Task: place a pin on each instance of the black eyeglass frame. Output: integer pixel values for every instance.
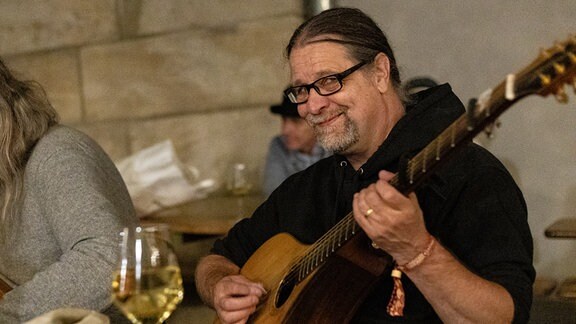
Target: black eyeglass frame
(289, 92)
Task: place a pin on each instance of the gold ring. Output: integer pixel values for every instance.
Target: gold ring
(369, 212)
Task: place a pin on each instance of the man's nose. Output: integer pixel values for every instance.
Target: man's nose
(315, 102)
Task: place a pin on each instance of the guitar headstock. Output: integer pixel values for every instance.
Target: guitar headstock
(550, 72)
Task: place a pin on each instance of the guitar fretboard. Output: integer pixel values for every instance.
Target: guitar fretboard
(344, 230)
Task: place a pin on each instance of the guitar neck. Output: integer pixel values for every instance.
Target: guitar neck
(329, 243)
(480, 117)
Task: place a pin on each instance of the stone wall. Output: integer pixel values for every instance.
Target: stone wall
(134, 73)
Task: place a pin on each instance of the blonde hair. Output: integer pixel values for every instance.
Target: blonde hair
(25, 116)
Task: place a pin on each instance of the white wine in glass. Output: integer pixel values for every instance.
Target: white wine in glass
(147, 284)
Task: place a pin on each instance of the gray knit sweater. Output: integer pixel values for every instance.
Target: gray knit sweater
(63, 249)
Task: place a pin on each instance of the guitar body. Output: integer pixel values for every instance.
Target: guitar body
(330, 294)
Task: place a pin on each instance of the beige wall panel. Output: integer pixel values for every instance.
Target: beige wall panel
(186, 72)
(113, 137)
(212, 142)
(57, 72)
(161, 16)
(35, 25)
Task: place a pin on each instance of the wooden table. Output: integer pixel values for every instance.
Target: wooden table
(209, 216)
(562, 228)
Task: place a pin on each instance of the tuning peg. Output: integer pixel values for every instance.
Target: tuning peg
(572, 57)
(559, 68)
(561, 95)
(544, 79)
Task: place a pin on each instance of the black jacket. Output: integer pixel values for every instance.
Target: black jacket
(471, 205)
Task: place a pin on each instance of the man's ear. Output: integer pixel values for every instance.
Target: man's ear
(382, 72)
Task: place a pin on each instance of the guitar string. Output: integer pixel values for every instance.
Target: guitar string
(320, 251)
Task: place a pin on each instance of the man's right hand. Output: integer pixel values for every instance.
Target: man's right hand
(236, 298)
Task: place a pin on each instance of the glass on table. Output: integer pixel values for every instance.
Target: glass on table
(147, 284)
(238, 183)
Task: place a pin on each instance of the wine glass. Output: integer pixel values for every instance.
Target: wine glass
(147, 284)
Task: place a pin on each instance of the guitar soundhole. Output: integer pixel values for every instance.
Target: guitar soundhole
(284, 292)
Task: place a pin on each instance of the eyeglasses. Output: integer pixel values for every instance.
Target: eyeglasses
(324, 86)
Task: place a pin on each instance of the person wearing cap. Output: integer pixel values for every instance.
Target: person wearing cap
(293, 150)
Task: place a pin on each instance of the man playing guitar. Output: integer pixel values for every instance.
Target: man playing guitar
(460, 242)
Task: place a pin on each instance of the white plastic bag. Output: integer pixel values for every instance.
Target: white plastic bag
(156, 179)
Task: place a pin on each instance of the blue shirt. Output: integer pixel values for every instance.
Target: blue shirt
(282, 163)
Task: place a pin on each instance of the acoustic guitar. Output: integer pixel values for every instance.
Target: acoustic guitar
(327, 281)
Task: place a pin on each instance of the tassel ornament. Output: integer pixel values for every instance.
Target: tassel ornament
(398, 299)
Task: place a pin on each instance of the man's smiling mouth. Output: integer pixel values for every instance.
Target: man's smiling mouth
(326, 121)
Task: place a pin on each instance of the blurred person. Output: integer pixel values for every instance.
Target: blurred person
(460, 243)
(62, 207)
(293, 150)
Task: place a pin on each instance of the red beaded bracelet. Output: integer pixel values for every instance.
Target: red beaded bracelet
(419, 258)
